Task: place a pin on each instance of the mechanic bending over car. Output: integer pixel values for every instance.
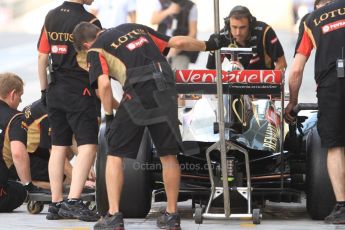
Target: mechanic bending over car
(13, 136)
(324, 31)
(133, 54)
(39, 145)
(71, 107)
(241, 29)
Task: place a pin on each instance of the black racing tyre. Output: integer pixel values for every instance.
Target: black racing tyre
(137, 189)
(320, 196)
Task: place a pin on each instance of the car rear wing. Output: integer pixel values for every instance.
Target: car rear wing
(233, 82)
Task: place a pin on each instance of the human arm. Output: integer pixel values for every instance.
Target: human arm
(43, 48)
(132, 16)
(131, 11)
(21, 161)
(42, 69)
(115, 103)
(273, 48)
(105, 93)
(295, 81)
(281, 64)
(160, 14)
(17, 134)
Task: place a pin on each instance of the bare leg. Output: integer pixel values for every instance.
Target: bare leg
(336, 171)
(114, 181)
(56, 171)
(171, 179)
(85, 158)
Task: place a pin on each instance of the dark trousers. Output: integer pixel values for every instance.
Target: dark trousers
(12, 196)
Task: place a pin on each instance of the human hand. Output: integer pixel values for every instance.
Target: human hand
(174, 8)
(289, 116)
(213, 43)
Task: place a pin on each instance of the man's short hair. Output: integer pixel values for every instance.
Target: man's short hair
(84, 32)
(239, 12)
(318, 2)
(10, 82)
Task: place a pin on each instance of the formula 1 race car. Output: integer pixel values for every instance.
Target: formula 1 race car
(263, 162)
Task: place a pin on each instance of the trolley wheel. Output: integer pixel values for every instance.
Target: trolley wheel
(198, 215)
(256, 216)
(35, 207)
(91, 205)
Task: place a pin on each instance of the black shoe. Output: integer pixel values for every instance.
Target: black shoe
(53, 211)
(169, 221)
(337, 216)
(110, 222)
(77, 210)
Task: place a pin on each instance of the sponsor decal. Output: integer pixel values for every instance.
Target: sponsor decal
(130, 35)
(27, 112)
(137, 43)
(86, 92)
(59, 49)
(62, 37)
(237, 76)
(333, 26)
(24, 126)
(272, 117)
(271, 137)
(274, 40)
(328, 15)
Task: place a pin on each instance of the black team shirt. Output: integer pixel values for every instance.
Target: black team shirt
(69, 69)
(264, 41)
(125, 47)
(12, 128)
(324, 30)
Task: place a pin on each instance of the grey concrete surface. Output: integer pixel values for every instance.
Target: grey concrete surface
(276, 216)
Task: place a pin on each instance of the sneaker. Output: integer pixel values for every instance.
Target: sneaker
(53, 211)
(337, 216)
(169, 221)
(77, 210)
(110, 222)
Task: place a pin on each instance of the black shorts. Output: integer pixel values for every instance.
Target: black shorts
(39, 165)
(331, 115)
(125, 136)
(70, 114)
(13, 198)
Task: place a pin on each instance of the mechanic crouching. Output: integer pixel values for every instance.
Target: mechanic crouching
(133, 54)
(13, 136)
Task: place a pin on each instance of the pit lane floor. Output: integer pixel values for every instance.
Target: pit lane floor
(276, 216)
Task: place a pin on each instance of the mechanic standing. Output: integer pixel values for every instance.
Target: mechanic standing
(324, 30)
(71, 106)
(150, 100)
(177, 17)
(12, 144)
(241, 29)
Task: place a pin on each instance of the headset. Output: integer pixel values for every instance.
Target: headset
(239, 12)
